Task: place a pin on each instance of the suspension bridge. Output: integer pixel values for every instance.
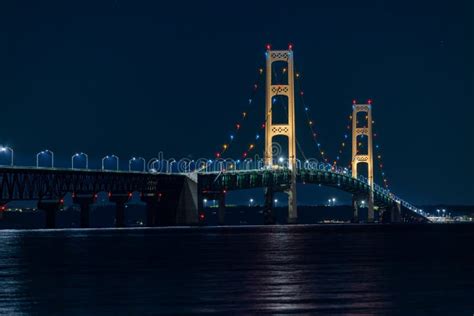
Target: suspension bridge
(174, 190)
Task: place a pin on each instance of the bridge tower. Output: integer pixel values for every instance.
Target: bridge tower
(288, 129)
(366, 158)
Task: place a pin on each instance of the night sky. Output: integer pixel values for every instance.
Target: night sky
(136, 78)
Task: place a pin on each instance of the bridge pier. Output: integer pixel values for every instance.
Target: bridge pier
(292, 206)
(50, 208)
(3, 208)
(355, 208)
(268, 212)
(152, 202)
(395, 213)
(119, 200)
(370, 206)
(187, 202)
(221, 210)
(84, 202)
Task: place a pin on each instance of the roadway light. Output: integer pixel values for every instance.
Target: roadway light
(6, 148)
(204, 202)
(250, 202)
(110, 157)
(133, 159)
(44, 152)
(276, 201)
(77, 155)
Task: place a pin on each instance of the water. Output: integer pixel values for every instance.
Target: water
(363, 270)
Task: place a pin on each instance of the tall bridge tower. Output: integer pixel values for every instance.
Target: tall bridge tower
(288, 129)
(366, 158)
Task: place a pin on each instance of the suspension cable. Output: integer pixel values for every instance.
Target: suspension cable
(244, 115)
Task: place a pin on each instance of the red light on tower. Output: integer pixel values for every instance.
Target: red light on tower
(290, 46)
(354, 101)
(202, 216)
(268, 47)
(369, 101)
(3, 208)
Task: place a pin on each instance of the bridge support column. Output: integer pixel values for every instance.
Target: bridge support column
(288, 129)
(187, 204)
(382, 214)
(119, 200)
(268, 212)
(292, 207)
(221, 210)
(152, 202)
(3, 208)
(355, 208)
(84, 202)
(370, 207)
(395, 213)
(50, 208)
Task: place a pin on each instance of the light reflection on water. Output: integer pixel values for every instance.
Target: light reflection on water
(276, 269)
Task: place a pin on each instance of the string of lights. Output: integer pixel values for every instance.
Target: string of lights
(309, 120)
(343, 145)
(379, 156)
(252, 146)
(244, 115)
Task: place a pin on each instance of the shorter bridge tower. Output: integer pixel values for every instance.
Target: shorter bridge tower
(364, 130)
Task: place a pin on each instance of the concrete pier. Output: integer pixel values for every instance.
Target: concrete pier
(119, 200)
(84, 202)
(50, 208)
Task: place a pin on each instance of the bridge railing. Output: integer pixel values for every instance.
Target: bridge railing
(204, 165)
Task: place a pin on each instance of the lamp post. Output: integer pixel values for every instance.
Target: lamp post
(110, 157)
(44, 152)
(281, 160)
(250, 202)
(130, 161)
(5, 149)
(276, 202)
(204, 202)
(77, 155)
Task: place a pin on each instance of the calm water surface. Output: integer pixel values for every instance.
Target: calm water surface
(363, 270)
